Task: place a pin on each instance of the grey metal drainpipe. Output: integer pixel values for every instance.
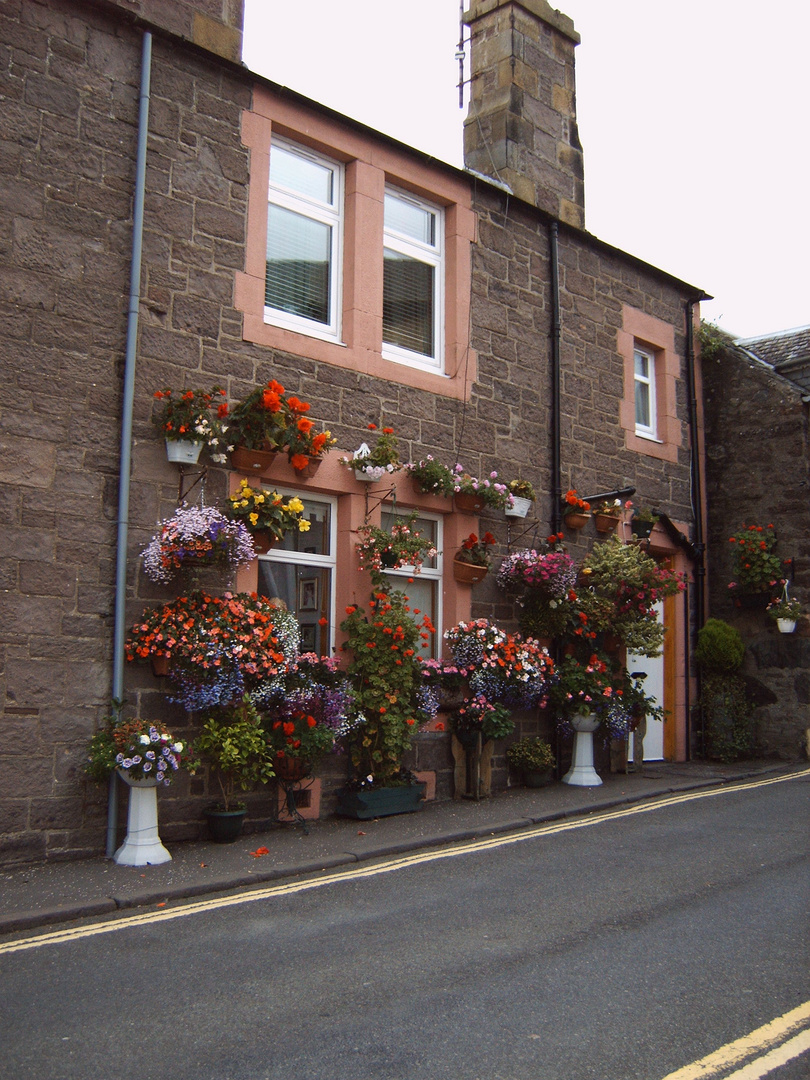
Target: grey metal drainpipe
(556, 480)
(126, 419)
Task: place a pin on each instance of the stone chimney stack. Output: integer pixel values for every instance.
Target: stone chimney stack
(521, 127)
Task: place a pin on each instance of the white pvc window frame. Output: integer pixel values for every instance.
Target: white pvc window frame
(644, 392)
(329, 213)
(433, 255)
(430, 572)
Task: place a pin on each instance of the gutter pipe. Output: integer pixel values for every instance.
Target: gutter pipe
(556, 479)
(126, 419)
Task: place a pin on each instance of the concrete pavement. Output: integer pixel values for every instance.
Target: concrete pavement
(39, 894)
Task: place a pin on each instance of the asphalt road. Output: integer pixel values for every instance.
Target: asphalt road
(621, 947)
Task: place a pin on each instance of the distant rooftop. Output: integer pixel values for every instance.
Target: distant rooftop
(787, 352)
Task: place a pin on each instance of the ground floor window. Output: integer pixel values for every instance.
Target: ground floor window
(300, 571)
(424, 590)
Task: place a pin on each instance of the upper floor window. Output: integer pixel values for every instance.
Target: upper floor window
(413, 275)
(304, 217)
(644, 374)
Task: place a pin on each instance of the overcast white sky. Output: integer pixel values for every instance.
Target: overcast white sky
(694, 117)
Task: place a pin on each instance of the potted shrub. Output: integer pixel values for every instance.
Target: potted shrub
(534, 759)
(785, 611)
(193, 537)
(371, 464)
(523, 496)
(266, 515)
(234, 744)
(259, 427)
(471, 495)
(756, 568)
(380, 550)
(431, 476)
(190, 420)
(724, 705)
(472, 560)
(144, 756)
(576, 511)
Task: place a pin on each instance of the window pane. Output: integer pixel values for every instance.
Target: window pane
(409, 220)
(643, 405)
(300, 174)
(408, 315)
(316, 540)
(306, 591)
(642, 365)
(422, 596)
(298, 257)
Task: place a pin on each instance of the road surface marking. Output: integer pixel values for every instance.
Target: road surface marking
(417, 858)
(763, 1038)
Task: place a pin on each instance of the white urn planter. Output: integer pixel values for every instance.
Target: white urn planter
(582, 773)
(142, 846)
(519, 508)
(183, 451)
(786, 626)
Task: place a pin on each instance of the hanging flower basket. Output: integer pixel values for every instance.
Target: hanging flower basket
(467, 503)
(520, 507)
(183, 451)
(160, 664)
(606, 523)
(576, 520)
(786, 626)
(308, 470)
(263, 541)
(468, 573)
(642, 528)
(252, 461)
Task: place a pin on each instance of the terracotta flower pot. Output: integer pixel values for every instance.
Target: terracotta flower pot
(311, 467)
(576, 520)
(263, 540)
(606, 523)
(252, 461)
(160, 664)
(468, 573)
(468, 502)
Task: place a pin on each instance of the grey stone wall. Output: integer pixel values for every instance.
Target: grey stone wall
(758, 472)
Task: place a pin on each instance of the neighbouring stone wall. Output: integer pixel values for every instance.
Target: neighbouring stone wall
(758, 472)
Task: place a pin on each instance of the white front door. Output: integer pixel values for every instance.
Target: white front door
(654, 688)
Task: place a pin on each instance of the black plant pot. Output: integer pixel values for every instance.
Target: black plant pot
(225, 826)
(641, 529)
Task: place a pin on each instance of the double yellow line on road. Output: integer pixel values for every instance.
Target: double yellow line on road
(127, 922)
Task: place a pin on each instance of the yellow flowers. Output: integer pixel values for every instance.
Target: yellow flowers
(295, 505)
(266, 511)
(253, 519)
(304, 525)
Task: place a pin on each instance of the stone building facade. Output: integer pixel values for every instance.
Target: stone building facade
(529, 300)
(758, 473)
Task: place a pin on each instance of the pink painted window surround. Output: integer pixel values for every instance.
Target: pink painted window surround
(369, 167)
(656, 338)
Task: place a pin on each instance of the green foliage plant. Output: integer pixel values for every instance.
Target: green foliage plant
(432, 476)
(531, 754)
(720, 648)
(235, 746)
(723, 702)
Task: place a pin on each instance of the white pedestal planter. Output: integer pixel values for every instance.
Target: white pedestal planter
(183, 451)
(142, 846)
(582, 772)
(786, 626)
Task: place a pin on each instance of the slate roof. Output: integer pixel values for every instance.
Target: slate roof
(787, 352)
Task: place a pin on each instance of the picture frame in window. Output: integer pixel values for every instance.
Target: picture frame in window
(308, 594)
